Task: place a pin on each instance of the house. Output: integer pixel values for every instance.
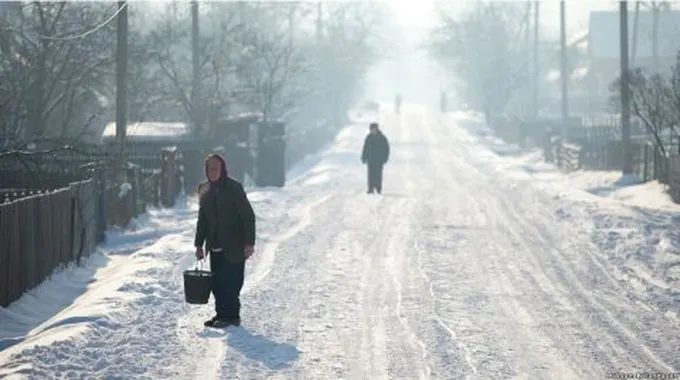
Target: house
(149, 132)
(604, 43)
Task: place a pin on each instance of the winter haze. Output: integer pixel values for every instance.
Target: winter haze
(440, 190)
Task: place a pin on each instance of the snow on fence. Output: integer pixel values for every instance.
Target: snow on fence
(648, 163)
(566, 156)
(43, 232)
(593, 144)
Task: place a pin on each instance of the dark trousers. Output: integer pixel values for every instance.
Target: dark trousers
(227, 281)
(375, 172)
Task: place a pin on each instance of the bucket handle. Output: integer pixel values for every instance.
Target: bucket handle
(201, 262)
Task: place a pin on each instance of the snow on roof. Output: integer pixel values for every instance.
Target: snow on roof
(253, 117)
(244, 116)
(149, 131)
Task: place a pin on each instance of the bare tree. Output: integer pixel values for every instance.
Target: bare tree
(268, 61)
(651, 102)
(350, 46)
(59, 59)
(172, 49)
(485, 52)
(145, 80)
(171, 45)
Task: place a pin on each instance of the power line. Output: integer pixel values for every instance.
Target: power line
(83, 34)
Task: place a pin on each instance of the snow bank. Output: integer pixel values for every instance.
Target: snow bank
(107, 310)
(633, 223)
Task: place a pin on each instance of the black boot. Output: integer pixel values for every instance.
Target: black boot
(227, 322)
(210, 322)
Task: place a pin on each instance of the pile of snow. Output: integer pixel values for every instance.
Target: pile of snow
(634, 223)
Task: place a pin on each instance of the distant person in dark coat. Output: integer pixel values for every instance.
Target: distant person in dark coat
(226, 225)
(375, 154)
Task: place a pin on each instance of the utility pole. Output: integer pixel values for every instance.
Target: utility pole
(121, 77)
(526, 100)
(564, 75)
(319, 21)
(196, 98)
(625, 93)
(656, 7)
(535, 56)
(291, 25)
(636, 19)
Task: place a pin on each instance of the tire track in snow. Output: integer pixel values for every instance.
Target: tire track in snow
(373, 350)
(379, 353)
(617, 343)
(331, 270)
(631, 349)
(572, 278)
(417, 324)
(268, 254)
(316, 276)
(443, 171)
(509, 270)
(309, 300)
(212, 341)
(520, 232)
(379, 298)
(396, 265)
(540, 307)
(495, 335)
(342, 331)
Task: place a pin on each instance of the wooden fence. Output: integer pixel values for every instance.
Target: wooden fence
(674, 177)
(595, 144)
(602, 149)
(43, 229)
(649, 163)
(41, 233)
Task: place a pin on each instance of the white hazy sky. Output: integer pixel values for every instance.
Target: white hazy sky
(418, 78)
(421, 13)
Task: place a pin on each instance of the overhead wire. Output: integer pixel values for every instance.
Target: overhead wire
(82, 35)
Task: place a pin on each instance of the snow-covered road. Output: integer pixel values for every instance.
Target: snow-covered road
(458, 270)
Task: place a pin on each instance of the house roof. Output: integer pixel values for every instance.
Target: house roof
(149, 131)
(603, 38)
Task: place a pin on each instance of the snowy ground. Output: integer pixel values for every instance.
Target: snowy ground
(634, 224)
(469, 266)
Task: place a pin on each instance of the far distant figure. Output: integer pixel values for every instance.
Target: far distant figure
(397, 103)
(375, 154)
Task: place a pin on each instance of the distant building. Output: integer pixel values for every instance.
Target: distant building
(604, 43)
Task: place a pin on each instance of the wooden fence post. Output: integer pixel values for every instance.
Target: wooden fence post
(168, 175)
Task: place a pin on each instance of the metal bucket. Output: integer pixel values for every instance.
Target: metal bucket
(197, 286)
